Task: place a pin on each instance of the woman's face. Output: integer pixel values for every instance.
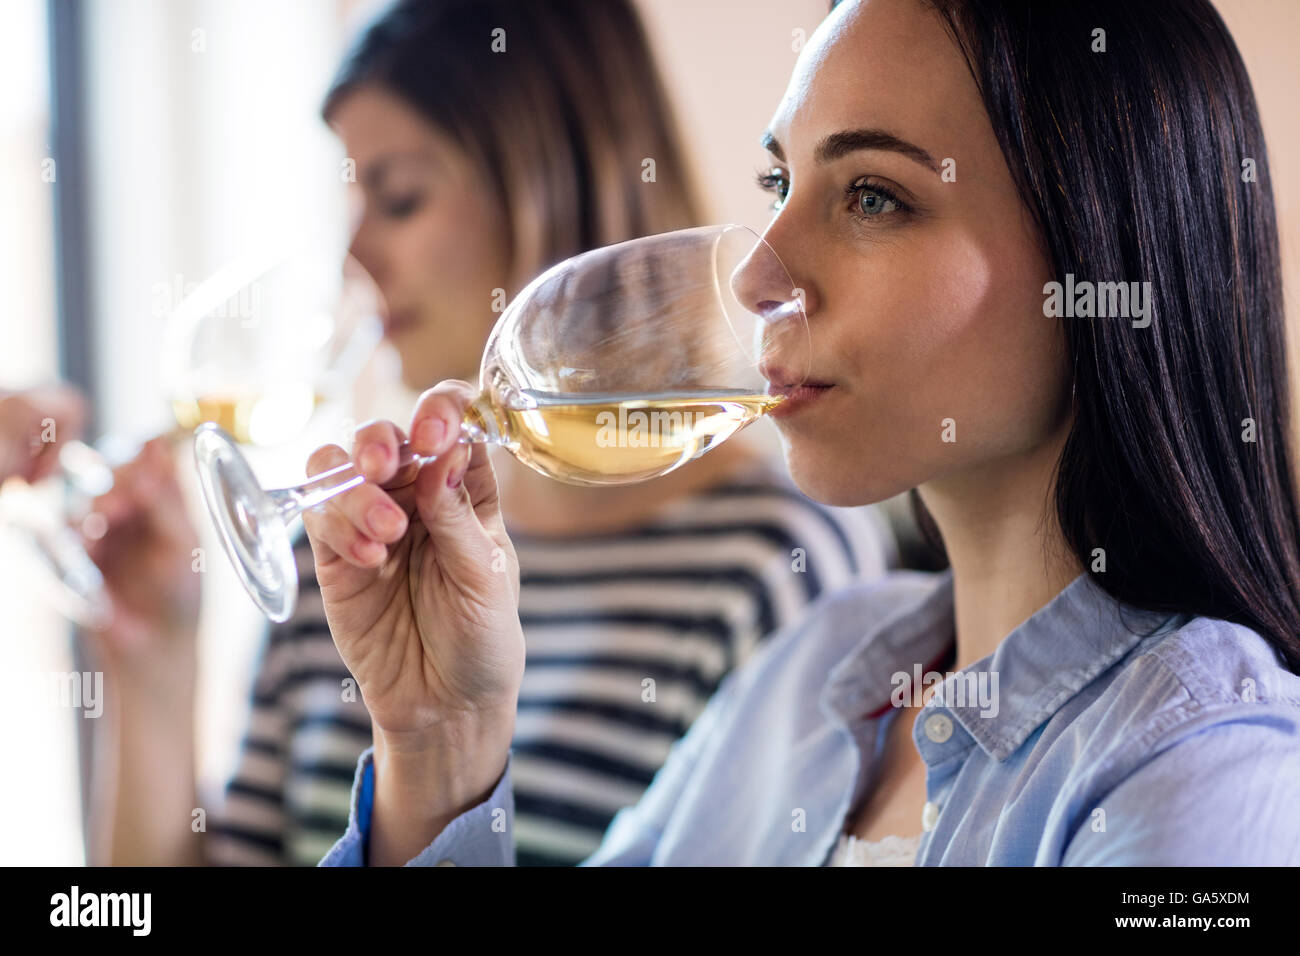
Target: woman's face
(429, 234)
(924, 296)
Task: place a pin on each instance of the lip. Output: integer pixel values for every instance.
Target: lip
(797, 397)
(398, 322)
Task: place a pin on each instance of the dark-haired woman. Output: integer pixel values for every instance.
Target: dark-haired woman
(1106, 672)
(491, 138)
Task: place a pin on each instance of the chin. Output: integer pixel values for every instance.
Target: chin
(414, 382)
(414, 374)
(831, 480)
(418, 379)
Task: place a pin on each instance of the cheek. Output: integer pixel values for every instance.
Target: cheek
(446, 263)
(947, 327)
(969, 334)
(455, 255)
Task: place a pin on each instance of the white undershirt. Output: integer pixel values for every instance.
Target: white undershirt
(891, 851)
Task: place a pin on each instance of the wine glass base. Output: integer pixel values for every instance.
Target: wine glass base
(253, 533)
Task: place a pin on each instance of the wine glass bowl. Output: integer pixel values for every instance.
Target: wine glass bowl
(265, 340)
(625, 362)
(615, 366)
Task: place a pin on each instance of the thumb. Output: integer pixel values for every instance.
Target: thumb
(456, 497)
(162, 501)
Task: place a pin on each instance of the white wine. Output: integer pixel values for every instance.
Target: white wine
(612, 439)
(231, 412)
(257, 418)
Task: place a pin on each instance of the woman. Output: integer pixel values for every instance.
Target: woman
(1121, 604)
(490, 139)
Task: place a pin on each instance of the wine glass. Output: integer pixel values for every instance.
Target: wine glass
(617, 365)
(266, 340)
(259, 346)
(63, 572)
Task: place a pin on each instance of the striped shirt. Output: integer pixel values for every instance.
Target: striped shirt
(627, 636)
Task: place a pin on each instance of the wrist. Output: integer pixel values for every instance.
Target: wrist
(162, 676)
(448, 767)
(423, 781)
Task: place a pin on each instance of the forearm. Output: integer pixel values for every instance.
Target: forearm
(143, 782)
(423, 783)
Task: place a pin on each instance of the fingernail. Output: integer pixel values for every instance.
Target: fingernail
(94, 526)
(456, 475)
(429, 433)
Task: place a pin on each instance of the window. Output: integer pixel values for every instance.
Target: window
(41, 808)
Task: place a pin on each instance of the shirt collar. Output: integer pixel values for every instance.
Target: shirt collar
(1032, 673)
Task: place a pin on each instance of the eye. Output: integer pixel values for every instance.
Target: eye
(774, 181)
(873, 201)
(400, 207)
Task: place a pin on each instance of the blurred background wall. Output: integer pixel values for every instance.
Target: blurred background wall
(200, 136)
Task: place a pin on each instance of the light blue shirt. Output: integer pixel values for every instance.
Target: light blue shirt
(1095, 734)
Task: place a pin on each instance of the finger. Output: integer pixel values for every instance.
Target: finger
(118, 503)
(321, 460)
(54, 416)
(372, 511)
(446, 509)
(70, 413)
(157, 465)
(325, 458)
(42, 464)
(375, 450)
(480, 482)
(333, 533)
(438, 415)
(126, 502)
(158, 496)
(114, 510)
(63, 406)
(435, 425)
(157, 453)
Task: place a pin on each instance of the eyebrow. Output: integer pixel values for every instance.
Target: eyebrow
(378, 170)
(851, 140)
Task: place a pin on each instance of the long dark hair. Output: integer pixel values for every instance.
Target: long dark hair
(1146, 162)
(559, 102)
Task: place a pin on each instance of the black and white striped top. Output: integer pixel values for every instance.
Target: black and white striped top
(627, 637)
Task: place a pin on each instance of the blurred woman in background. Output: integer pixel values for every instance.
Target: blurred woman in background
(491, 139)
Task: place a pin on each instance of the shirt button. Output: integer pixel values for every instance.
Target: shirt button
(929, 815)
(444, 863)
(938, 728)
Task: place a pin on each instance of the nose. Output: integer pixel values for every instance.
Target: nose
(764, 285)
(362, 248)
(354, 272)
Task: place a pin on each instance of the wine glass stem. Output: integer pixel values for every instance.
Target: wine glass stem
(291, 502)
